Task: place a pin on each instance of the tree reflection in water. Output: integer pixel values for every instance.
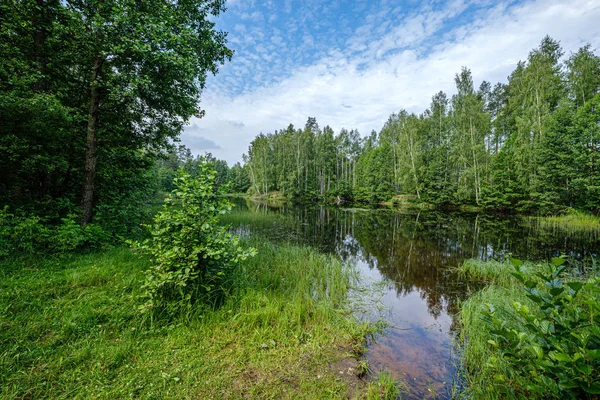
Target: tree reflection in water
(415, 253)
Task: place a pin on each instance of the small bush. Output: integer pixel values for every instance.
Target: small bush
(27, 234)
(193, 257)
(554, 348)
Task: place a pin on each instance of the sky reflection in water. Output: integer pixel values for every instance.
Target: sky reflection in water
(414, 253)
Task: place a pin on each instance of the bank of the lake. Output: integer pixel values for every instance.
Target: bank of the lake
(71, 328)
(570, 219)
(416, 254)
(532, 332)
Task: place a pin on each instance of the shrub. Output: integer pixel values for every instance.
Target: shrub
(556, 345)
(193, 257)
(22, 233)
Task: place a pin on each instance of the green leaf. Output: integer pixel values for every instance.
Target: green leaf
(558, 261)
(593, 388)
(559, 356)
(538, 351)
(516, 262)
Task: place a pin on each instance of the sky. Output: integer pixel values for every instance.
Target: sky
(350, 64)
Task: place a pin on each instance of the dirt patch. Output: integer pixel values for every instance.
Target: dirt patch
(347, 369)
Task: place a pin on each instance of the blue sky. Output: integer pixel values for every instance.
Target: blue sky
(352, 63)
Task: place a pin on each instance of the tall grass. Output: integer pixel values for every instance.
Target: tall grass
(475, 333)
(572, 222)
(70, 328)
(492, 271)
(501, 292)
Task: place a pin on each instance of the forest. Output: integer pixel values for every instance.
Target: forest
(117, 277)
(530, 144)
(131, 268)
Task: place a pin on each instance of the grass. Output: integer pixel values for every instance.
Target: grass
(384, 387)
(70, 328)
(502, 291)
(497, 272)
(486, 372)
(475, 333)
(574, 221)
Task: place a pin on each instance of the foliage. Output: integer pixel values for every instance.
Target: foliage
(91, 91)
(70, 328)
(180, 157)
(29, 234)
(539, 339)
(193, 257)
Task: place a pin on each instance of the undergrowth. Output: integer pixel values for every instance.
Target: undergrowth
(531, 333)
(70, 328)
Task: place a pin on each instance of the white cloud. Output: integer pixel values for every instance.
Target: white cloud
(375, 75)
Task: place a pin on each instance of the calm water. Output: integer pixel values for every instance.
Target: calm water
(414, 254)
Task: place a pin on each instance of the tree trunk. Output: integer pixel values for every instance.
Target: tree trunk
(91, 152)
(412, 161)
(477, 184)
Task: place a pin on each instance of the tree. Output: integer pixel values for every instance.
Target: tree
(471, 125)
(436, 151)
(535, 90)
(583, 75)
(123, 74)
(587, 152)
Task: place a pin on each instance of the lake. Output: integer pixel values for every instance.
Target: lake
(414, 254)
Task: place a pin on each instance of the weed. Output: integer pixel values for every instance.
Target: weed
(384, 388)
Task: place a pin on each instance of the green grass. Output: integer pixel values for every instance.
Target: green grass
(502, 290)
(575, 221)
(260, 217)
(384, 387)
(498, 272)
(475, 333)
(70, 328)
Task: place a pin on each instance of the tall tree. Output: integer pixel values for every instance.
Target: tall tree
(436, 151)
(126, 74)
(471, 125)
(540, 88)
(583, 75)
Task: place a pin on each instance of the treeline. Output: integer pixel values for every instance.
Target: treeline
(230, 179)
(530, 145)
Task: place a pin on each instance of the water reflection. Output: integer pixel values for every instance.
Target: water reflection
(415, 252)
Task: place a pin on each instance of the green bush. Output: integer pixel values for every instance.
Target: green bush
(27, 234)
(193, 257)
(555, 348)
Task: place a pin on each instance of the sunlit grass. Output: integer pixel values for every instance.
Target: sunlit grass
(572, 222)
(70, 328)
(492, 271)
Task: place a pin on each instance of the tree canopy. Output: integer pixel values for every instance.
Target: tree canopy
(91, 90)
(528, 145)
